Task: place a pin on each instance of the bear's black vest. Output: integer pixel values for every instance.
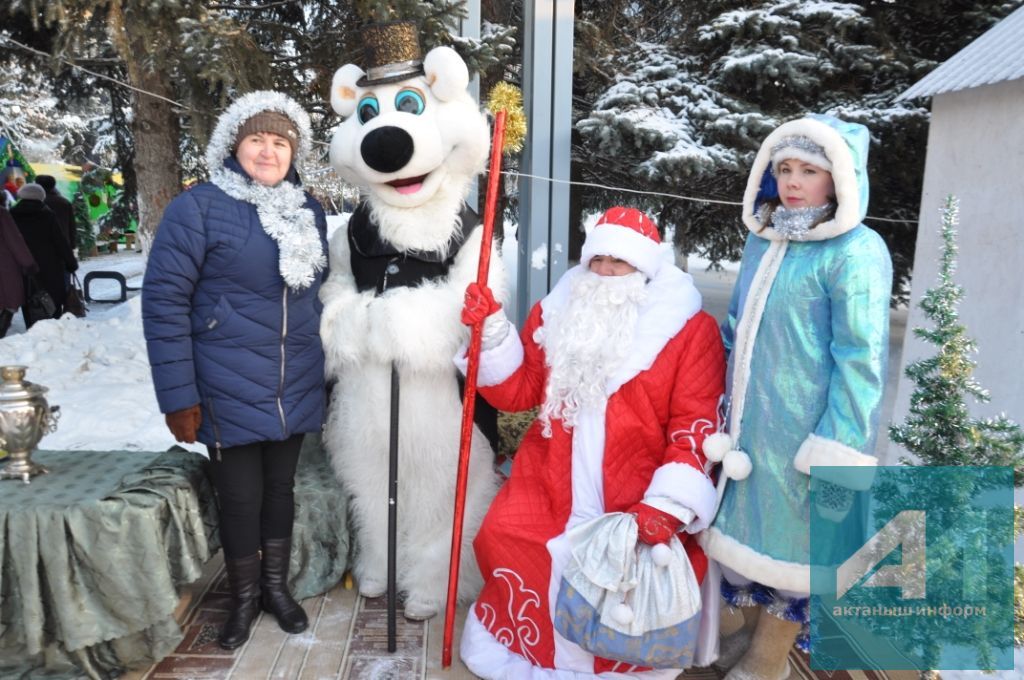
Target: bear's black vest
(379, 266)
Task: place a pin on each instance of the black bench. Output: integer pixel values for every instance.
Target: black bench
(103, 274)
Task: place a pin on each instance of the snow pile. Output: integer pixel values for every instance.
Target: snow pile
(98, 373)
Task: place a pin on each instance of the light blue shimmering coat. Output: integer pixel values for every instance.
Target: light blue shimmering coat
(807, 335)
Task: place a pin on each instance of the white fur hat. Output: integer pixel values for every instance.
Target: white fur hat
(628, 234)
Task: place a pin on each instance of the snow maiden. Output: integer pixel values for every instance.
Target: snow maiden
(807, 335)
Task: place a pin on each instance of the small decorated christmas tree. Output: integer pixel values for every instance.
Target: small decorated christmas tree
(940, 430)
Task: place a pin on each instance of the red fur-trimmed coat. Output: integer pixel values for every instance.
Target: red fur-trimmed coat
(656, 418)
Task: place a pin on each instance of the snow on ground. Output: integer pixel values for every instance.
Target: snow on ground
(1016, 674)
(96, 368)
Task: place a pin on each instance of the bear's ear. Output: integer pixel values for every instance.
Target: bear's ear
(344, 90)
(446, 73)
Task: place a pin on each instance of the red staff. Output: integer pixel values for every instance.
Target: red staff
(506, 104)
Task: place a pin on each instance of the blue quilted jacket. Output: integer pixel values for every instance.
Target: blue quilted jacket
(222, 328)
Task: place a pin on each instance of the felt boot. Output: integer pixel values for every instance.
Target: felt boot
(731, 619)
(276, 598)
(737, 632)
(244, 581)
(768, 656)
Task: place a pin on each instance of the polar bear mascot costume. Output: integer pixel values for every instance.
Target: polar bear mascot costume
(414, 139)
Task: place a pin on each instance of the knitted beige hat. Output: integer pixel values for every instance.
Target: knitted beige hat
(269, 121)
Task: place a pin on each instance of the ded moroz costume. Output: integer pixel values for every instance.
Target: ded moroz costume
(632, 437)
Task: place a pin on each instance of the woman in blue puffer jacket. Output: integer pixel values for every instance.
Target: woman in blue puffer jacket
(231, 318)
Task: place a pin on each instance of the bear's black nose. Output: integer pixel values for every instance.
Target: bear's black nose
(387, 149)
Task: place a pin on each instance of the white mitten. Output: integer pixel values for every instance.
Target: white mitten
(496, 327)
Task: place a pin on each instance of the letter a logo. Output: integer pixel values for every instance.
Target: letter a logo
(907, 529)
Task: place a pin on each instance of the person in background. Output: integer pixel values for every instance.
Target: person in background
(10, 186)
(61, 207)
(629, 374)
(47, 243)
(807, 332)
(16, 262)
(231, 318)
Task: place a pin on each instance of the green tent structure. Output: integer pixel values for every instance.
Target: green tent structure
(94, 190)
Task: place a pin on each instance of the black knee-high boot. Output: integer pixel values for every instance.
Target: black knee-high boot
(244, 581)
(274, 584)
(6, 316)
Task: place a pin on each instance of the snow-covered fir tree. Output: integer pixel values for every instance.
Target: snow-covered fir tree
(43, 129)
(187, 59)
(676, 97)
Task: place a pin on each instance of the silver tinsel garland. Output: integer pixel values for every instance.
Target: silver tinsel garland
(799, 142)
(794, 223)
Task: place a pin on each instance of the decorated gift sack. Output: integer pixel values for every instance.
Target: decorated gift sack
(626, 601)
(75, 301)
(38, 303)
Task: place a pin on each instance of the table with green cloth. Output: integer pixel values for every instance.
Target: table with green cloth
(320, 535)
(92, 555)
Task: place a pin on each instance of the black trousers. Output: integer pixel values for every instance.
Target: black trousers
(256, 493)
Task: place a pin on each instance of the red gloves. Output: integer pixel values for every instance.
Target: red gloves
(479, 304)
(655, 526)
(184, 424)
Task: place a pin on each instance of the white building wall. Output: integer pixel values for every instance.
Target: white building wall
(976, 152)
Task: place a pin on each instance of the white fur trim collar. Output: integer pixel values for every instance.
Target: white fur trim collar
(286, 219)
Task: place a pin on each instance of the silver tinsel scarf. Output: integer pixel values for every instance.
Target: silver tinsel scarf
(794, 223)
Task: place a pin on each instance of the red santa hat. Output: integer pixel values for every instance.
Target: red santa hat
(628, 234)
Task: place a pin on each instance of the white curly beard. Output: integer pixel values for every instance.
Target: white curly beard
(586, 341)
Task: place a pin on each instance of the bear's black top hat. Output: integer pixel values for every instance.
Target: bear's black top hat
(391, 51)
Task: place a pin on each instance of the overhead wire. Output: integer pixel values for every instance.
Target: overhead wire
(511, 173)
(102, 76)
